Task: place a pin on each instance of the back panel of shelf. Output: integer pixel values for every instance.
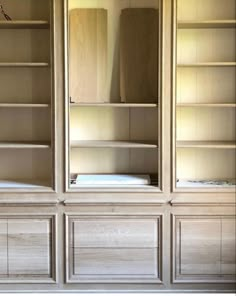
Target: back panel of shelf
(27, 132)
(200, 167)
(111, 122)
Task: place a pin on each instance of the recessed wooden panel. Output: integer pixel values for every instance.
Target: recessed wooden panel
(88, 55)
(200, 247)
(139, 55)
(114, 248)
(229, 246)
(3, 247)
(204, 249)
(29, 243)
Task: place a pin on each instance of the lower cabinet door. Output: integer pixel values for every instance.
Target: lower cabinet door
(204, 249)
(113, 249)
(27, 248)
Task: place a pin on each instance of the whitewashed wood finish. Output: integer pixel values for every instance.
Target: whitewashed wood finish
(115, 233)
(112, 263)
(106, 160)
(32, 45)
(113, 248)
(3, 248)
(205, 163)
(113, 123)
(229, 246)
(29, 247)
(28, 125)
(203, 247)
(199, 46)
(30, 85)
(190, 82)
(206, 9)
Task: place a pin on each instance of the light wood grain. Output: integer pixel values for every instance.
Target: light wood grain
(24, 145)
(199, 247)
(88, 55)
(139, 35)
(207, 105)
(123, 263)
(210, 64)
(29, 247)
(229, 246)
(19, 105)
(115, 233)
(24, 65)
(3, 247)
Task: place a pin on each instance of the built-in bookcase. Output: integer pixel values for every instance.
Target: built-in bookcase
(26, 96)
(113, 101)
(204, 95)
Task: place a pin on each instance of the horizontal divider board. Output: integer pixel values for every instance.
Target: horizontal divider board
(27, 64)
(24, 24)
(118, 105)
(211, 64)
(24, 145)
(214, 105)
(112, 144)
(206, 144)
(23, 105)
(24, 184)
(207, 24)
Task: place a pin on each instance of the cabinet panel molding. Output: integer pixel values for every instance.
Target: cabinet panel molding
(29, 248)
(203, 249)
(121, 249)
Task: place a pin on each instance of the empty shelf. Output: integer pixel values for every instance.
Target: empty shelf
(24, 184)
(115, 105)
(207, 24)
(24, 145)
(206, 144)
(211, 64)
(24, 65)
(112, 144)
(23, 24)
(19, 105)
(209, 105)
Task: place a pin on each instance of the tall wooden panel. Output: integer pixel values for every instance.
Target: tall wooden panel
(3, 247)
(229, 246)
(29, 247)
(139, 55)
(88, 55)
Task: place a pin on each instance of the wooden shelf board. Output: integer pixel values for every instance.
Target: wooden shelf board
(211, 64)
(19, 105)
(206, 144)
(24, 184)
(118, 105)
(201, 184)
(24, 24)
(26, 65)
(112, 144)
(24, 145)
(214, 105)
(214, 24)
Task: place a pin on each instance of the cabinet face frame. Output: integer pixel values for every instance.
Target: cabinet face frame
(176, 251)
(52, 150)
(174, 188)
(69, 218)
(53, 250)
(67, 188)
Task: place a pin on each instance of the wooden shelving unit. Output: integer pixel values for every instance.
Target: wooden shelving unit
(26, 110)
(204, 74)
(114, 104)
